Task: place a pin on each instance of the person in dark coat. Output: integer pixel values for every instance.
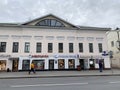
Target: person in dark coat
(100, 66)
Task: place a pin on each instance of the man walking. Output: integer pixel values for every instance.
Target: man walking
(100, 66)
(32, 68)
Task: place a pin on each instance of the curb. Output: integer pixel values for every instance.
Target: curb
(56, 76)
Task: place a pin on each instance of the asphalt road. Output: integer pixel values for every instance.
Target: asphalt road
(65, 83)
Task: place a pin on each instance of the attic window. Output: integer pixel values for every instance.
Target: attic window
(50, 23)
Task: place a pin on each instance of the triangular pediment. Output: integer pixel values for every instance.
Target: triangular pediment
(50, 21)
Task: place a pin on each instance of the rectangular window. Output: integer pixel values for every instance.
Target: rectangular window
(27, 47)
(50, 47)
(100, 47)
(38, 47)
(71, 47)
(91, 47)
(2, 46)
(15, 47)
(112, 43)
(80, 47)
(60, 47)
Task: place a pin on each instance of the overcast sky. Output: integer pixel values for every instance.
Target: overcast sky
(96, 13)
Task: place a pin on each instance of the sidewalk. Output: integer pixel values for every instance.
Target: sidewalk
(50, 74)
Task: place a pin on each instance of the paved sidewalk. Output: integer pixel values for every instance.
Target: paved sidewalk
(48, 74)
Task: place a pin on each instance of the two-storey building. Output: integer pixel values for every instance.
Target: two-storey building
(52, 44)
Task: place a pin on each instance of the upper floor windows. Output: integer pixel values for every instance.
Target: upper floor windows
(27, 47)
(38, 47)
(71, 47)
(15, 46)
(2, 46)
(80, 47)
(91, 47)
(112, 43)
(100, 47)
(50, 23)
(50, 47)
(60, 47)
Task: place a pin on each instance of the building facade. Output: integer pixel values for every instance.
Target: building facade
(52, 44)
(114, 47)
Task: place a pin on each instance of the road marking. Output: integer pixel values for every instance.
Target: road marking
(114, 82)
(65, 84)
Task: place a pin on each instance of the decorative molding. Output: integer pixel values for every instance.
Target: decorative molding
(26, 37)
(38, 37)
(60, 38)
(99, 38)
(49, 37)
(4, 36)
(16, 36)
(71, 38)
(80, 38)
(90, 38)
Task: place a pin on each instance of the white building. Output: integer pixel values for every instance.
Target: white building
(52, 44)
(114, 46)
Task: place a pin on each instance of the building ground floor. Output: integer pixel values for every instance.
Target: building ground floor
(53, 62)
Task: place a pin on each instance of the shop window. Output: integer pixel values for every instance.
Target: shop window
(39, 64)
(2, 65)
(71, 63)
(61, 64)
(25, 64)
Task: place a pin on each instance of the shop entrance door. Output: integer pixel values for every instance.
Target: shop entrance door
(51, 64)
(82, 64)
(15, 65)
(92, 64)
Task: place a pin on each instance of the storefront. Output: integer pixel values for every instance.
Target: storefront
(91, 62)
(3, 65)
(45, 62)
(38, 60)
(66, 61)
(4, 62)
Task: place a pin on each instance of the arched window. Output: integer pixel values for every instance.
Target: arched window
(50, 23)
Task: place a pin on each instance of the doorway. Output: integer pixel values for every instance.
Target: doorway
(15, 64)
(92, 64)
(82, 65)
(51, 64)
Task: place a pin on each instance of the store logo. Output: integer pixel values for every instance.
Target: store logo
(39, 56)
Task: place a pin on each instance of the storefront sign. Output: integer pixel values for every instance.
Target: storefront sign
(88, 56)
(39, 56)
(65, 56)
(4, 56)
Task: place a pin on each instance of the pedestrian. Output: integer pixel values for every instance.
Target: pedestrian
(32, 68)
(100, 66)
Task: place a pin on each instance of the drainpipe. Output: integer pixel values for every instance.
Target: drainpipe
(118, 41)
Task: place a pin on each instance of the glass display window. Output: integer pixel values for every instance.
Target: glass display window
(61, 64)
(2, 65)
(25, 64)
(39, 64)
(71, 63)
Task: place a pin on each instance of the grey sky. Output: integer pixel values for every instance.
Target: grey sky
(97, 13)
